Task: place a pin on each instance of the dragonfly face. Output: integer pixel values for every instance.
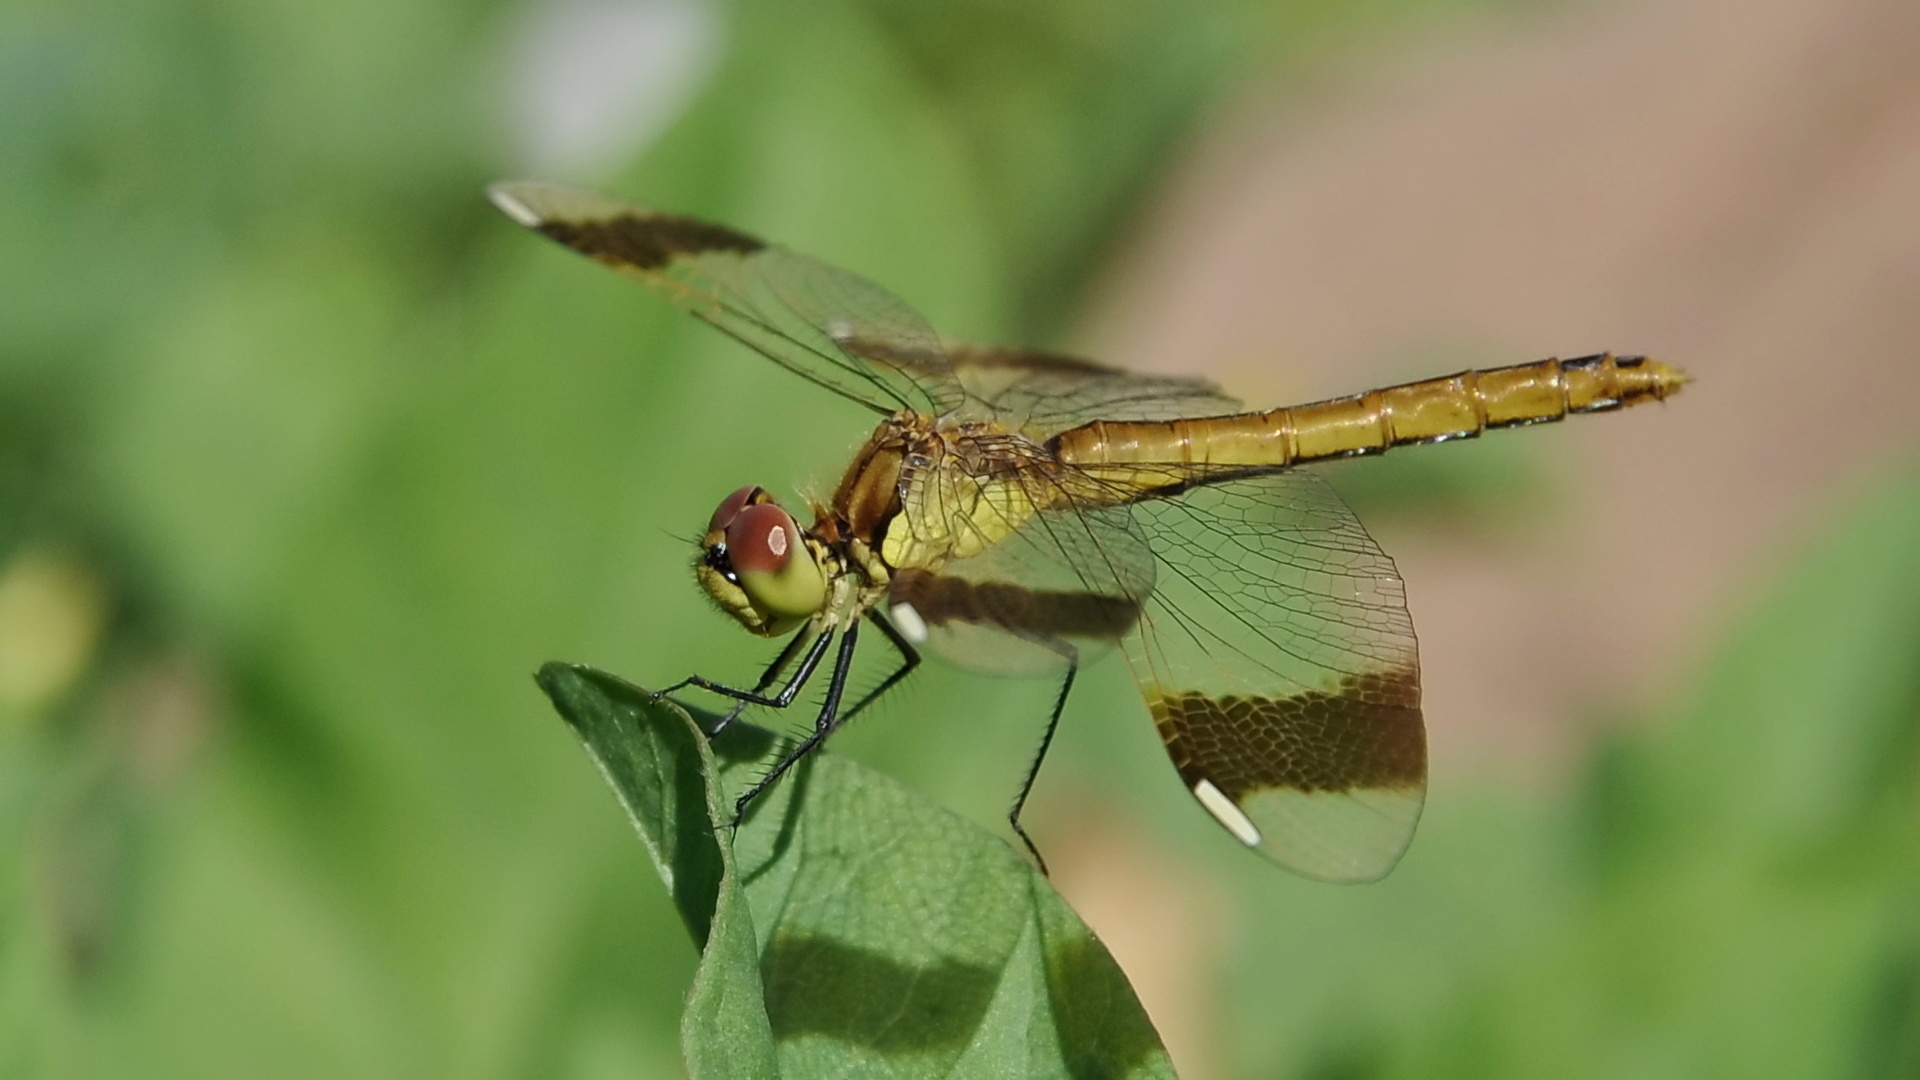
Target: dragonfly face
(758, 566)
(1019, 510)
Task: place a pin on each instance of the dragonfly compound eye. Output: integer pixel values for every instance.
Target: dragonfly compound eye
(756, 565)
(774, 567)
(761, 539)
(731, 506)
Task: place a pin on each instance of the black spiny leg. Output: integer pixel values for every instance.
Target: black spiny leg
(823, 725)
(909, 659)
(767, 677)
(757, 695)
(1072, 656)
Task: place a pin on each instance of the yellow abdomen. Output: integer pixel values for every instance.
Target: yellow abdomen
(1455, 407)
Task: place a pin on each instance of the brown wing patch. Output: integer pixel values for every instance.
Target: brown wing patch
(1366, 735)
(647, 242)
(794, 310)
(988, 356)
(939, 599)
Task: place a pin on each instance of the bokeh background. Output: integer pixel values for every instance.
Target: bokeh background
(307, 458)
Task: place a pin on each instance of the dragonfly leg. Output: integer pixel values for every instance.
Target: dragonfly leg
(757, 695)
(909, 659)
(1072, 657)
(767, 678)
(823, 725)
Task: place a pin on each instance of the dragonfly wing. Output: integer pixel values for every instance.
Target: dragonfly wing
(1279, 663)
(1267, 631)
(827, 325)
(1041, 394)
(1041, 585)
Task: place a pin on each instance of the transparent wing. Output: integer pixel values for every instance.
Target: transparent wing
(1266, 630)
(1037, 580)
(1279, 663)
(825, 324)
(1040, 394)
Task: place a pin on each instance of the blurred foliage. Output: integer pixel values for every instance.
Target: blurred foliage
(334, 456)
(1731, 892)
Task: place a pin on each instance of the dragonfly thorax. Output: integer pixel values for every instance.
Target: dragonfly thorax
(900, 497)
(759, 566)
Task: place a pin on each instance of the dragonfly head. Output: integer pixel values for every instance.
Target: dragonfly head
(756, 564)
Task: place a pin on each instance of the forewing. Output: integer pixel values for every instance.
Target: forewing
(1278, 660)
(825, 324)
(1041, 394)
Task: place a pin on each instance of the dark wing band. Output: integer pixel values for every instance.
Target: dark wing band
(1278, 660)
(825, 324)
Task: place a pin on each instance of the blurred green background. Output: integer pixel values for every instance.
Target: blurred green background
(308, 458)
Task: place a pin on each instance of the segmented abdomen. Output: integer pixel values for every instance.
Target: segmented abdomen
(1434, 410)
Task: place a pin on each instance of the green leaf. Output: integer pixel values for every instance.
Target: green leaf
(851, 928)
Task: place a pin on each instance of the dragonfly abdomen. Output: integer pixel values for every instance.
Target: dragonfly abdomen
(1434, 410)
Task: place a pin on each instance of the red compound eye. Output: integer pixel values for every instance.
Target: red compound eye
(761, 539)
(731, 506)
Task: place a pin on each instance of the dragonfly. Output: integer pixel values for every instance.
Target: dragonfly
(1021, 512)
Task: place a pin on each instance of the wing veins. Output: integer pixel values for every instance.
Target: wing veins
(836, 359)
(1237, 614)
